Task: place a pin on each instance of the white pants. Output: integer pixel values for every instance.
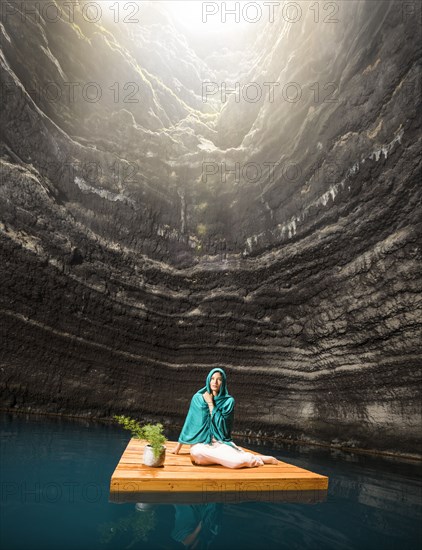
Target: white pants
(220, 453)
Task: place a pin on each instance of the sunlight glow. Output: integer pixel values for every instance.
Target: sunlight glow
(208, 16)
(198, 16)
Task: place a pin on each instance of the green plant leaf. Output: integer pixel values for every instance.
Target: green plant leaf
(153, 433)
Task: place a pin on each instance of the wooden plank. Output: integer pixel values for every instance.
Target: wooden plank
(140, 476)
(171, 463)
(200, 471)
(180, 476)
(203, 470)
(187, 485)
(175, 459)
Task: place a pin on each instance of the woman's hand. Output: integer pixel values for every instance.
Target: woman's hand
(209, 398)
(176, 450)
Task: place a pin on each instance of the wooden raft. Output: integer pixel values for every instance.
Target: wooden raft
(182, 481)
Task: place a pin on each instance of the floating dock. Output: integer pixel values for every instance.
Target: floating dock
(179, 480)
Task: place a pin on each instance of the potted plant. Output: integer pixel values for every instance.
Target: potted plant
(154, 450)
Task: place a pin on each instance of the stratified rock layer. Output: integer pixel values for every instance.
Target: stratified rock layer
(136, 254)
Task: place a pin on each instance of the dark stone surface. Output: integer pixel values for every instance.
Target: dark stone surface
(126, 275)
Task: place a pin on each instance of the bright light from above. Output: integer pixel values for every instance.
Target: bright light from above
(197, 16)
(211, 16)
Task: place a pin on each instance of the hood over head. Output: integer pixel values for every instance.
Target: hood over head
(223, 393)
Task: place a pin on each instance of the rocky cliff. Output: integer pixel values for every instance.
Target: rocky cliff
(170, 204)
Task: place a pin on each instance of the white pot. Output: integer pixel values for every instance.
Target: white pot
(149, 457)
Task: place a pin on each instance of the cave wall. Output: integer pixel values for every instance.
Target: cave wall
(126, 274)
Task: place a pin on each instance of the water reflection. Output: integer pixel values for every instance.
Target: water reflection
(358, 514)
(55, 475)
(214, 492)
(196, 525)
(131, 529)
(192, 526)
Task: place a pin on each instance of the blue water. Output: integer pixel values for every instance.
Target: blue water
(54, 494)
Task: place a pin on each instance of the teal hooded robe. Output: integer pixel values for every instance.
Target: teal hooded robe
(200, 426)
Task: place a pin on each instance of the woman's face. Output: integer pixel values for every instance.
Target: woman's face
(216, 381)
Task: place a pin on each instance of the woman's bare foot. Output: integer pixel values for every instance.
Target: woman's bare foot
(269, 460)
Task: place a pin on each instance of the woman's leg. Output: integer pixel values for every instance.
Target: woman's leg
(265, 458)
(220, 453)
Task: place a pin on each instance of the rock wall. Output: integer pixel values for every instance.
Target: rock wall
(152, 228)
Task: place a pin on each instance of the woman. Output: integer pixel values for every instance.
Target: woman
(208, 427)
